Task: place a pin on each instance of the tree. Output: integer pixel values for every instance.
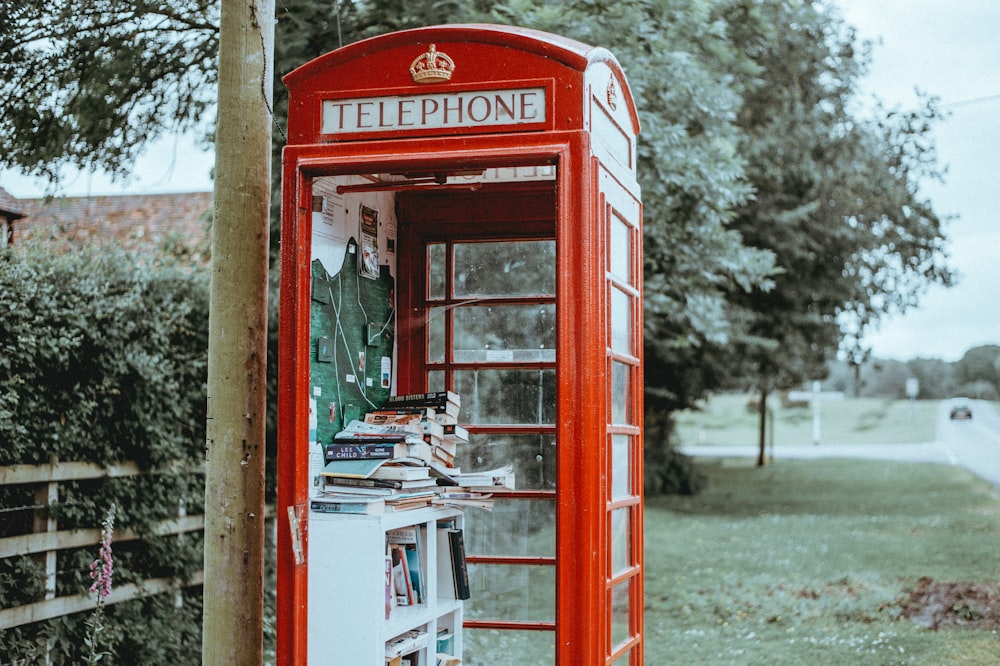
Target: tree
(977, 373)
(679, 64)
(835, 197)
(775, 218)
(88, 82)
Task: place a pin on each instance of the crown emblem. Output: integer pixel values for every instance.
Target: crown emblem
(612, 93)
(432, 66)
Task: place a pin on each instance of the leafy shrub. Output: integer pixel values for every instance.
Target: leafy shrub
(103, 359)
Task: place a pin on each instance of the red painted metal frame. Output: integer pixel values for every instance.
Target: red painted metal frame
(581, 528)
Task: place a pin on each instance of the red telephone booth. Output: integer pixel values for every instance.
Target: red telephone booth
(460, 212)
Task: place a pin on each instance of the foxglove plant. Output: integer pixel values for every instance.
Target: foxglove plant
(101, 571)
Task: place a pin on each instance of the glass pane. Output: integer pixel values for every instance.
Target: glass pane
(512, 592)
(435, 334)
(436, 271)
(620, 250)
(621, 542)
(506, 396)
(620, 391)
(620, 596)
(505, 268)
(504, 333)
(435, 380)
(621, 321)
(533, 457)
(621, 467)
(488, 647)
(515, 527)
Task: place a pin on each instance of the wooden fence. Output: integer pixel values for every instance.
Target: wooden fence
(47, 540)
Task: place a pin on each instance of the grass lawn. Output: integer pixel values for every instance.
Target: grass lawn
(725, 419)
(807, 562)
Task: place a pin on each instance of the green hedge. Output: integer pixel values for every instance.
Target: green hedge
(103, 359)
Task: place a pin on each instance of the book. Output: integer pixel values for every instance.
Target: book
(429, 412)
(446, 402)
(456, 539)
(416, 571)
(444, 659)
(405, 583)
(330, 503)
(445, 572)
(361, 468)
(363, 451)
(445, 642)
(492, 479)
(390, 595)
(456, 431)
(422, 399)
(464, 500)
(405, 643)
(360, 449)
(407, 503)
(408, 539)
(342, 484)
(399, 469)
(401, 535)
(401, 472)
(356, 429)
(413, 421)
(443, 455)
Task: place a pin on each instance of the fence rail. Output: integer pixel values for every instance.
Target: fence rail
(47, 540)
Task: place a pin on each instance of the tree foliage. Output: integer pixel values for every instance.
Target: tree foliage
(835, 195)
(780, 223)
(102, 360)
(88, 82)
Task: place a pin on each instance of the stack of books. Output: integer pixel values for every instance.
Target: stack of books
(432, 415)
(371, 485)
(398, 457)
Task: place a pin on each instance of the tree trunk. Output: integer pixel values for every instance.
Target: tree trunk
(237, 354)
(762, 429)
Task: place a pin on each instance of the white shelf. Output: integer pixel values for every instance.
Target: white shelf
(346, 561)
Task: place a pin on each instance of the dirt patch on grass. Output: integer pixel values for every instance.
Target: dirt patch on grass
(938, 605)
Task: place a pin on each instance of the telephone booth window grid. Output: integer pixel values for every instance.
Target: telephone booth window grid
(487, 305)
(624, 441)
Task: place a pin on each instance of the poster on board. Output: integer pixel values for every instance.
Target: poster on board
(368, 266)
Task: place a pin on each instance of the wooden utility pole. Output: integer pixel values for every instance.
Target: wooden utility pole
(237, 343)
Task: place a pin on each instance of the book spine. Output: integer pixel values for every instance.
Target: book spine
(408, 575)
(402, 410)
(459, 565)
(389, 595)
(365, 483)
(418, 397)
(439, 401)
(373, 451)
(343, 507)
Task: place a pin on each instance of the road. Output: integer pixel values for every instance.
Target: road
(973, 444)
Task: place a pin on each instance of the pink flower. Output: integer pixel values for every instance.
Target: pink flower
(102, 568)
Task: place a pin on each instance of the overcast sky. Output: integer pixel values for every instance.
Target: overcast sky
(952, 51)
(948, 49)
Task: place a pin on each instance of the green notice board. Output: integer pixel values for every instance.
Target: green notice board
(352, 328)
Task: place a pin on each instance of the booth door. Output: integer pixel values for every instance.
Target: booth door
(479, 288)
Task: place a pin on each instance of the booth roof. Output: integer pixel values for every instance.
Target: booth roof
(562, 49)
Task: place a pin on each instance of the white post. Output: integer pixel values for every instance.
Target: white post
(815, 405)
